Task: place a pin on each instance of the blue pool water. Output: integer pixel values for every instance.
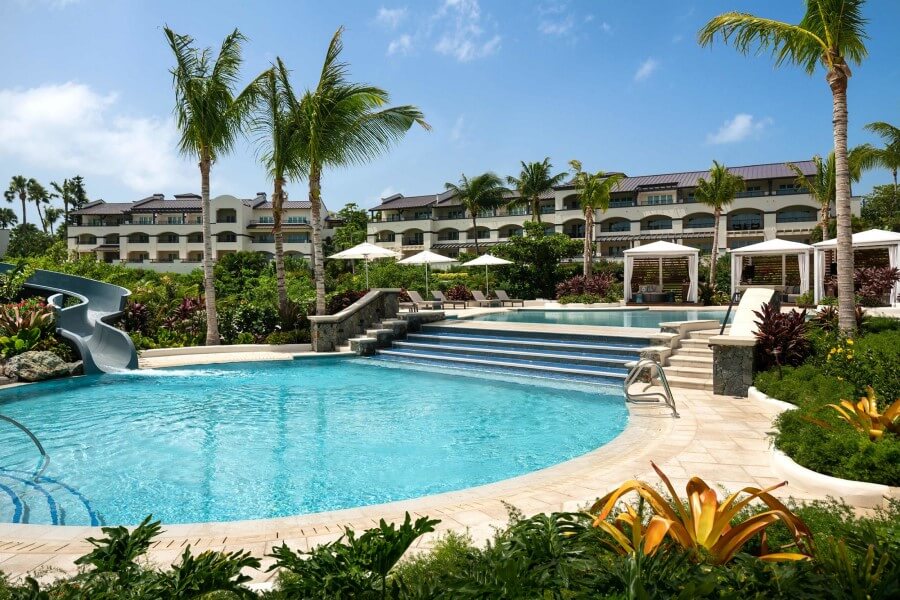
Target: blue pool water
(258, 440)
(611, 318)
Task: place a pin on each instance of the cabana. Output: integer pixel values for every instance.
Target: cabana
(873, 239)
(661, 251)
(772, 248)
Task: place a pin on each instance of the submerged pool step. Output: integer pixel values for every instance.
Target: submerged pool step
(510, 363)
(553, 337)
(24, 499)
(551, 355)
(602, 347)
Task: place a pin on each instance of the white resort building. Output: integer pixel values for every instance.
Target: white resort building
(165, 234)
(643, 209)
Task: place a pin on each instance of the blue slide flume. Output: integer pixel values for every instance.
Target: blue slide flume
(87, 324)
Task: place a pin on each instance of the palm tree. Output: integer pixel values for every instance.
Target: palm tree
(8, 218)
(832, 32)
(279, 143)
(52, 214)
(887, 157)
(210, 116)
(717, 192)
(534, 181)
(18, 188)
(482, 192)
(594, 190)
(38, 194)
(822, 185)
(342, 123)
(72, 194)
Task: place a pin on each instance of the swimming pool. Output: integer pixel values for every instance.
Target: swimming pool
(611, 318)
(270, 439)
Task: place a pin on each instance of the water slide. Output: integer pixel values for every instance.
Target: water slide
(103, 347)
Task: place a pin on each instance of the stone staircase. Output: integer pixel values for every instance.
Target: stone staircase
(691, 364)
(382, 334)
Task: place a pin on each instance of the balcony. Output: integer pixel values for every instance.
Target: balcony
(750, 194)
(791, 191)
(754, 226)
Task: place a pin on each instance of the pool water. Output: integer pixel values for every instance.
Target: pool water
(270, 439)
(610, 318)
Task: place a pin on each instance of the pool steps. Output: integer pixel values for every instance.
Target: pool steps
(691, 364)
(25, 498)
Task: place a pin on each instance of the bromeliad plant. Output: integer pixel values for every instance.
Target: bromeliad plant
(781, 337)
(24, 316)
(701, 524)
(865, 418)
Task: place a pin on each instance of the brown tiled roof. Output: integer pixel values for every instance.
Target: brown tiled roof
(288, 204)
(99, 207)
(399, 201)
(690, 178)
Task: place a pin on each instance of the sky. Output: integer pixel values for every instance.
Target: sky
(621, 86)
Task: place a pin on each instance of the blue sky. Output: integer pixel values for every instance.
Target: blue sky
(619, 85)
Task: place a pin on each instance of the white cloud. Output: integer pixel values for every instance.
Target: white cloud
(390, 17)
(458, 131)
(605, 27)
(464, 36)
(402, 45)
(647, 68)
(560, 26)
(740, 128)
(73, 128)
(677, 38)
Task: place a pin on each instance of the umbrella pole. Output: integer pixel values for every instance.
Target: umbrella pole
(487, 286)
(426, 280)
(367, 273)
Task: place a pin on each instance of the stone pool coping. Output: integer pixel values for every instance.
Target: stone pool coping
(721, 439)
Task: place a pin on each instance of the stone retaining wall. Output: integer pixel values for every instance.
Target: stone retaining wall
(329, 332)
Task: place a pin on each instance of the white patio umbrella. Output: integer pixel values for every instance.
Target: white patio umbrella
(426, 257)
(366, 252)
(487, 260)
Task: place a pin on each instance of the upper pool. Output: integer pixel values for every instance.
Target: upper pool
(605, 317)
(270, 439)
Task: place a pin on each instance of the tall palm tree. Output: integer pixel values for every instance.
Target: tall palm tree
(482, 192)
(52, 214)
(210, 116)
(281, 154)
(832, 32)
(822, 185)
(534, 181)
(887, 157)
(593, 190)
(8, 218)
(342, 123)
(717, 192)
(18, 188)
(38, 194)
(72, 194)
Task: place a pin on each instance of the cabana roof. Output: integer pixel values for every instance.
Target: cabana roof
(870, 238)
(657, 249)
(773, 247)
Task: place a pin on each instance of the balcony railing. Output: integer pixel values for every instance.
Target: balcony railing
(744, 226)
(750, 194)
(791, 191)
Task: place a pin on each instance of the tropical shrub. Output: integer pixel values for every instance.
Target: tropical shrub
(579, 299)
(341, 300)
(537, 262)
(865, 417)
(26, 315)
(868, 360)
(459, 292)
(136, 318)
(780, 337)
(13, 281)
(802, 385)
(806, 300)
(826, 318)
(22, 341)
(254, 320)
(874, 283)
(602, 286)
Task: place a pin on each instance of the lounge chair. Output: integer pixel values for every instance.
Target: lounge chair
(440, 297)
(480, 300)
(419, 302)
(503, 298)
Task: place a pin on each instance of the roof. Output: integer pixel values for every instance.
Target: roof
(872, 238)
(629, 184)
(99, 207)
(288, 204)
(181, 202)
(661, 248)
(773, 247)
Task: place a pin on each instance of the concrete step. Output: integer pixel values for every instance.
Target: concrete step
(559, 356)
(686, 371)
(536, 344)
(689, 382)
(702, 344)
(691, 360)
(703, 334)
(690, 351)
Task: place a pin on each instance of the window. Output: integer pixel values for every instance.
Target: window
(297, 220)
(298, 238)
(660, 223)
(386, 236)
(657, 199)
(616, 251)
(168, 238)
(413, 239)
(144, 220)
(446, 236)
(481, 234)
(227, 236)
(95, 222)
(423, 214)
(745, 221)
(617, 226)
(485, 212)
(576, 230)
(699, 222)
(264, 238)
(195, 238)
(174, 220)
(518, 211)
(620, 202)
(138, 238)
(547, 209)
(267, 220)
(796, 215)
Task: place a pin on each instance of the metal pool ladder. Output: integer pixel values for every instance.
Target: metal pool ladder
(666, 397)
(45, 458)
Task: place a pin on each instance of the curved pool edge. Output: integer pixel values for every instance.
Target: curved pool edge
(644, 422)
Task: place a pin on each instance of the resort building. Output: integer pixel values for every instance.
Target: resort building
(643, 209)
(165, 234)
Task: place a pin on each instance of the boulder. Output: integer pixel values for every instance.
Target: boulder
(36, 366)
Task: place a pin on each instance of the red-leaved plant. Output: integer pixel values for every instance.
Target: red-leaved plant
(579, 285)
(874, 283)
(458, 292)
(781, 337)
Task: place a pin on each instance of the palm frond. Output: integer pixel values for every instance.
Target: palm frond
(888, 132)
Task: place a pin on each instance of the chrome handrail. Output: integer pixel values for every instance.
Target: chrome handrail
(45, 458)
(666, 397)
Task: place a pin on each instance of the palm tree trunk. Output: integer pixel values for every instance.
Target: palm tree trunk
(24, 215)
(588, 243)
(277, 206)
(475, 232)
(717, 216)
(846, 301)
(826, 208)
(209, 282)
(536, 209)
(37, 204)
(315, 200)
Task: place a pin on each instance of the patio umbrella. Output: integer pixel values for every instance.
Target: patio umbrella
(487, 260)
(366, 252)
(426, 257)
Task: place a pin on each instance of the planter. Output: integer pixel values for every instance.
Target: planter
(857, 493)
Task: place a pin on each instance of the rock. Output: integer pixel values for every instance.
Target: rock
(36, 366)
(76, 368)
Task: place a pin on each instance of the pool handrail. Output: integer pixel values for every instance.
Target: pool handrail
(45, 458)
(666, 397)
(735, 297)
